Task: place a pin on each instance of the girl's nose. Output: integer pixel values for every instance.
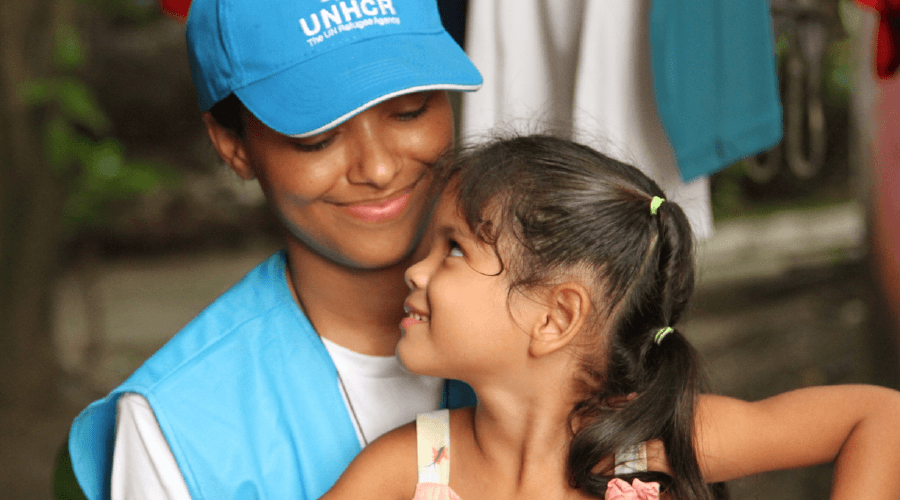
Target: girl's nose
(416, 276)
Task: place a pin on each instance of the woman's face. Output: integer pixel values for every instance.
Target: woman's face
(358, 194)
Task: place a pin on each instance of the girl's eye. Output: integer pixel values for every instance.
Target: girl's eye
(455, 250)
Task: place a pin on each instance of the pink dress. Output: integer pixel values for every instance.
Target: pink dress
(433, 455)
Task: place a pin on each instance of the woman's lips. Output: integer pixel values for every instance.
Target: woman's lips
(387, 209)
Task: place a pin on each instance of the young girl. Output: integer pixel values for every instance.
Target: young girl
(554, 284)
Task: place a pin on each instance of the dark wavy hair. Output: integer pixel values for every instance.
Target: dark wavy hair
(572, 210)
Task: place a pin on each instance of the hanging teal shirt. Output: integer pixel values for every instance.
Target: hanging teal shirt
(715, 81)
(247, 398)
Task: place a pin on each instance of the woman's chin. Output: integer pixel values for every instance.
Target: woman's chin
(369, 257)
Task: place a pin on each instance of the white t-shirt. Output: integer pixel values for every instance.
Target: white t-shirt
(384, 396)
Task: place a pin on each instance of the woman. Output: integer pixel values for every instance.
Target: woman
(338, 109)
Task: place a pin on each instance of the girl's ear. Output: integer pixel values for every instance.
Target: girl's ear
(230, 147)
(566, 310)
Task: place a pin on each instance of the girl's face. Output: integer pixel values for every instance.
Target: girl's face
(461, 320)
(357, 194)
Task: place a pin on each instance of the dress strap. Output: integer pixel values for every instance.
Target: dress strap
(433, 446)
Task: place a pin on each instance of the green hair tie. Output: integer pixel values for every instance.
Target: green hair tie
(661, 334)
(655, 203)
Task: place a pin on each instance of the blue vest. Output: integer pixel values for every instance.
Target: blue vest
(247, 398)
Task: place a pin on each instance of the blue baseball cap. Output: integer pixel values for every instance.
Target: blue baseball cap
(305, 66)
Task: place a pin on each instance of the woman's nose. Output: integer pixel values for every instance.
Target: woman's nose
(377, 162)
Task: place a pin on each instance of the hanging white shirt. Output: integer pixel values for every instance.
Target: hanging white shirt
(580, 68)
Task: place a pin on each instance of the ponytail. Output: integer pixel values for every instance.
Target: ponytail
(651, 360)
(662, 409)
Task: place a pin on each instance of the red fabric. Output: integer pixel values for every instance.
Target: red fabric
(176, 8)
(887, 39)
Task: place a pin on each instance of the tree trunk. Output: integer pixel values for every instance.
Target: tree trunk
(30, 209)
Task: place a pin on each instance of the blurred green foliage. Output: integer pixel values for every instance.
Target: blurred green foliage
(130, 10)
(732, 199)
(837, 71)
(734, 194)
(65, 485)
(726, 194)
(77, 139)
(837, 78)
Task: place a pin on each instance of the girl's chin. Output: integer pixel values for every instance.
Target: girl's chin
(403, 357)
(408, 359)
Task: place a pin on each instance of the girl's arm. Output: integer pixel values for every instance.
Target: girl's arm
(386, 469)
(856, 426)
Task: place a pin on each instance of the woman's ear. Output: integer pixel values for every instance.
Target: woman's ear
(565, 312)
(230, 147)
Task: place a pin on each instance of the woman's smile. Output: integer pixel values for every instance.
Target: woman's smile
(378, 211)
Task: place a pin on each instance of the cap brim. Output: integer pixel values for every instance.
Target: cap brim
(323, 92)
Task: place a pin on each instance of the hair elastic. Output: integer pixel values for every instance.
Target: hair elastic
(655, 203)
(661, 334)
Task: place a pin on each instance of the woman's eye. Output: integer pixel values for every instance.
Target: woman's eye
(418, 102)
(412, 115)
(312, 147)
(455, 250)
